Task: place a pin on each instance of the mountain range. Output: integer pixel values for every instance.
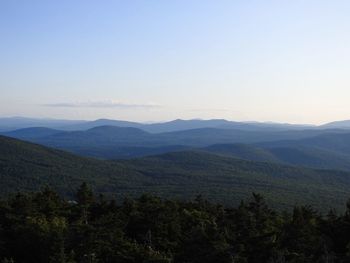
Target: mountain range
(181, 175)
(223, 160)
(12, 123)
(316, 148)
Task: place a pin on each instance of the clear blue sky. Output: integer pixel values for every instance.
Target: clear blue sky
(285, 61)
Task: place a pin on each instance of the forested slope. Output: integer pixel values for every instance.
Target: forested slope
(181, 175)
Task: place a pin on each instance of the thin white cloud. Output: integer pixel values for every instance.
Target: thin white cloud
(102, 104)
(211, 110)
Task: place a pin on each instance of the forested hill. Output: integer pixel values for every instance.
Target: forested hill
(26, 167)
(181, 175)
(324, 149)
(41, 227)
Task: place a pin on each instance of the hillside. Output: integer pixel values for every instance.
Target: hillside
(220, 177)
(311, 148)
(299, 155)
(182, 175)
(336, 142)
(26, 167)
(99, 138)
(242, 151)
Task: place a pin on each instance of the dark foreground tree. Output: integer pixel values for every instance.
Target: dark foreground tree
(43, 228)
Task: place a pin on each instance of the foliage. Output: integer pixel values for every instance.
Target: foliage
(40, 227)
(180, 175)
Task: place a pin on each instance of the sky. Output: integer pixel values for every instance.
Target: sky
(243, 60)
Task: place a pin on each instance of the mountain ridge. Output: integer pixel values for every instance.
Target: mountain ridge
(28, 167)
(8, 124)
(324, 149)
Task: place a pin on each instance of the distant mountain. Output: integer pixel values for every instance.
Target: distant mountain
(12, 123)
(209, 136)
(98, 137)
(102, 122)
(337, 125)
(264, 126)
(181, 125)
(183, 175)
(31, 133)
(102, 139)
(9, 124)
(108, 142)
(187, 137)
(124, 142)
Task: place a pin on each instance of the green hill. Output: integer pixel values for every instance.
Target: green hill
(181, 175)
(27, 167)
(242, 151)
(335, 142)
(319, 158)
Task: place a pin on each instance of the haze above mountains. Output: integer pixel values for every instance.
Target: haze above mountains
(12, 123)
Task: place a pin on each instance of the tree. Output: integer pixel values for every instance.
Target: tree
(85, 198)
(85, 195)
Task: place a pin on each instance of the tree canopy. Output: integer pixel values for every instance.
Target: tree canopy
(42, 227)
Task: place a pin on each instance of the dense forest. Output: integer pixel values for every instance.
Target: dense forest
(26, 167)
(43, 227)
